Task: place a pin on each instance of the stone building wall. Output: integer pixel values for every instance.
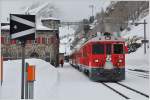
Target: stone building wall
(41, 49)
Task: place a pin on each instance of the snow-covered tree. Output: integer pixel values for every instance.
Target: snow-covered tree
(42, 10)
(133, 43)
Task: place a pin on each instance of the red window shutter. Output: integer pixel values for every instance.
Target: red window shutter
(43, 40)
(52, 39)
(38, 40)
(14, 41)
(2, 40)
(49, 40)
(11, 41)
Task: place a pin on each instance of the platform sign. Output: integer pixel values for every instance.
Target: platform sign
(22, 27)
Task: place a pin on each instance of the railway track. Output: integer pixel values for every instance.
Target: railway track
(125, 91)
(142, 76)
(139, 70)
(116, 91)
(138, 74)
(143, 94)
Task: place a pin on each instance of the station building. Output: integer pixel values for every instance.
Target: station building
(45, 46)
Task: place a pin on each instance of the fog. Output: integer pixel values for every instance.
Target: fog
(68, 10)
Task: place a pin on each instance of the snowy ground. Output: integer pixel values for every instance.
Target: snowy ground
(67, 84)
(46, 75)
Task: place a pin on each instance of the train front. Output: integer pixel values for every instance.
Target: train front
(108, 59)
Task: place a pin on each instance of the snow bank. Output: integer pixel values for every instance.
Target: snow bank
(138, 60)
(46, 77)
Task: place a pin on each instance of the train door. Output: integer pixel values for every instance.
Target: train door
(108, 49)
(108, 64)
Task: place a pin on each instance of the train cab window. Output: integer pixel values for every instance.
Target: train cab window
(98, 49)
(108, 48)
(118, 48)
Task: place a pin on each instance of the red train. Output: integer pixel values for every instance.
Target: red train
(101, 58)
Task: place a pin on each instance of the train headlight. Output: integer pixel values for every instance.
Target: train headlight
(96, 60)
(120, 60)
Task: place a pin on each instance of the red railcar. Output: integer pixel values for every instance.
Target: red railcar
(101, 58)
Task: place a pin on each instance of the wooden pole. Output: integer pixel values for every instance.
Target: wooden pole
(1, 70)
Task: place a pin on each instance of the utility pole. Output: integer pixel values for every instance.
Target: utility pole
(144, 41)
(144, 36)
(92, 7)
(23, 69)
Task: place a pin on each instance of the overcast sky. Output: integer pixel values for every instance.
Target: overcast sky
(70, 10)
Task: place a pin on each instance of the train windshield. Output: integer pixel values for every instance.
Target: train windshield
(98, 49)
(118, 48)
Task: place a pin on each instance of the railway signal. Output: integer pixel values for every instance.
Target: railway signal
(22, 28)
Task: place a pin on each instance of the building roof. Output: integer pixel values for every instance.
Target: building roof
(6, 27)
(41, 27)
(50, 18)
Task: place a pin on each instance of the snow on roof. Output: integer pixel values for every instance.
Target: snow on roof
(41, 27)
(6, 27)
(50, 18)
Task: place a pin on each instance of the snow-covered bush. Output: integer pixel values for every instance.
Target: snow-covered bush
(133, 43)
